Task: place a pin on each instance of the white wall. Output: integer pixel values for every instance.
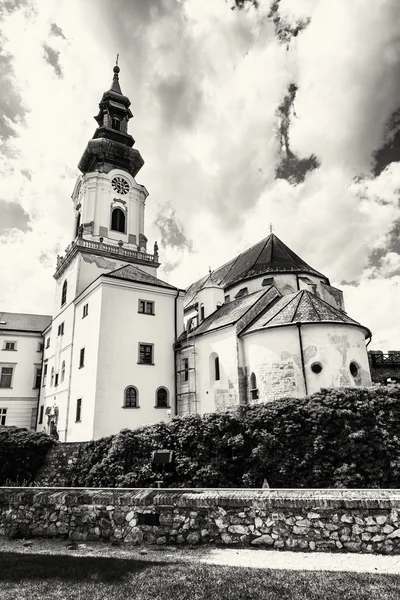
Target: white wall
(21, 399)
(214, 395)
(122, 329)
(274, 356)
(83, 380)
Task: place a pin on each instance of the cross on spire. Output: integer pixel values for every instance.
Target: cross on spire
(116, 62)
(271, 227)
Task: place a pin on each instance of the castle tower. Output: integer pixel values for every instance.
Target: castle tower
(109, 204)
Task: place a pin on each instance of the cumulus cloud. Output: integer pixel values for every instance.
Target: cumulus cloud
(206, 83)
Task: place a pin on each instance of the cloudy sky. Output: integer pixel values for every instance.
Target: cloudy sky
(283, 112)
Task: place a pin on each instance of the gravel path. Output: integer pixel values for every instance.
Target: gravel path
(234, 557)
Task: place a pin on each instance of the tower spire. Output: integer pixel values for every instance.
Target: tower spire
(115, 87)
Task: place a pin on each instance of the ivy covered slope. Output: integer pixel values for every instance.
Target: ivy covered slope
(335, 438)
(22, 452)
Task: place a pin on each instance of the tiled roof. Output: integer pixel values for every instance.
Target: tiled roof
(270, 255)
(301, 307)
(132, 273)
(23, 322)
(227, 314)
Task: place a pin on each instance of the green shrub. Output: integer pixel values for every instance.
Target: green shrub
(22, 452)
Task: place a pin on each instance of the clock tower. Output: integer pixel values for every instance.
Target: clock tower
(109, 204)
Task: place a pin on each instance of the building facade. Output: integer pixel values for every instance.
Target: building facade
(125, 349)
(21, 348)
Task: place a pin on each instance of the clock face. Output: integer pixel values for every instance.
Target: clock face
(120, 185)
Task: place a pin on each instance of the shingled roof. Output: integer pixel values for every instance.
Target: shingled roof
(301, 307)
(23, 322)
(132, 273)
(269, 256)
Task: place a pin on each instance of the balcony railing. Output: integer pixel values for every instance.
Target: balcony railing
(119, 251)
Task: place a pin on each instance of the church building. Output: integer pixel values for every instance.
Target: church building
(124, 348)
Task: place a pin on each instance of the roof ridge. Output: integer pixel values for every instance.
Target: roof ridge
(281, 309)
(311, 297)
(301, 294)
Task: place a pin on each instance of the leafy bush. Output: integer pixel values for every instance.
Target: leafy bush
(334, 438)
(22, 452)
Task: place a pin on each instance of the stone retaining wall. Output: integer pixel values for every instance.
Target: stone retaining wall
(331, 520)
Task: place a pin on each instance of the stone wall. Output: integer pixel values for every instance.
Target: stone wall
(331, 520)
(54, 471)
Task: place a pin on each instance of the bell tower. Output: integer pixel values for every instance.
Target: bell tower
(109, 204)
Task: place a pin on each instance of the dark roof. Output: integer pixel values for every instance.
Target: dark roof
(227, 314)
(301, 307)
(270, 255)
(132, 273)
(23, 322)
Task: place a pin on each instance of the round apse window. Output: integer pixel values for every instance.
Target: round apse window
(120, 185)
(354, 369)
(316, 368)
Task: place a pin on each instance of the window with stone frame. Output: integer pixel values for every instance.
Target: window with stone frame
(78, 413)
(64, 293)
(146, 354)
(6, 374)
(3, 416)
(253, 387)
(146, 307)
(38, 377)
(118, 220)
(10, 345)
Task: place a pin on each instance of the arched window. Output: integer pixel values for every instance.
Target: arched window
(131, 399)
(118, 220)
(116, 123)
(216, 369)
(52, 376)
(162, 398)
(253, 387)
(201, 312)
(64, 293)
(63, 370)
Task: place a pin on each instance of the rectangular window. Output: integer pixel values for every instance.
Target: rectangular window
(38, 377)
(85, 310)
(48, 343)
(3, 416)
(33, 417)
(10, 346)
(44, 374)
(6, 377)
(61, 329)
(78, 410)
(40, 347)
(56, 380)
(82, 358)
(146, 307)
(186, 369)
(146, 354)
(41, 415)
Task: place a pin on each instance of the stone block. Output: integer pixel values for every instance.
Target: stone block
(381, 519)
(388, 528)
(313, 515)
(312, 545)
(161, 540)
(352, 546)
(226, 538)
(378, 538)
(266, 540)
(394, 534)
(258, 522)
(238, 529)
(346, 518)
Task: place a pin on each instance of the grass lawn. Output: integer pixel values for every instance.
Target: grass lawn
(67, 577)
